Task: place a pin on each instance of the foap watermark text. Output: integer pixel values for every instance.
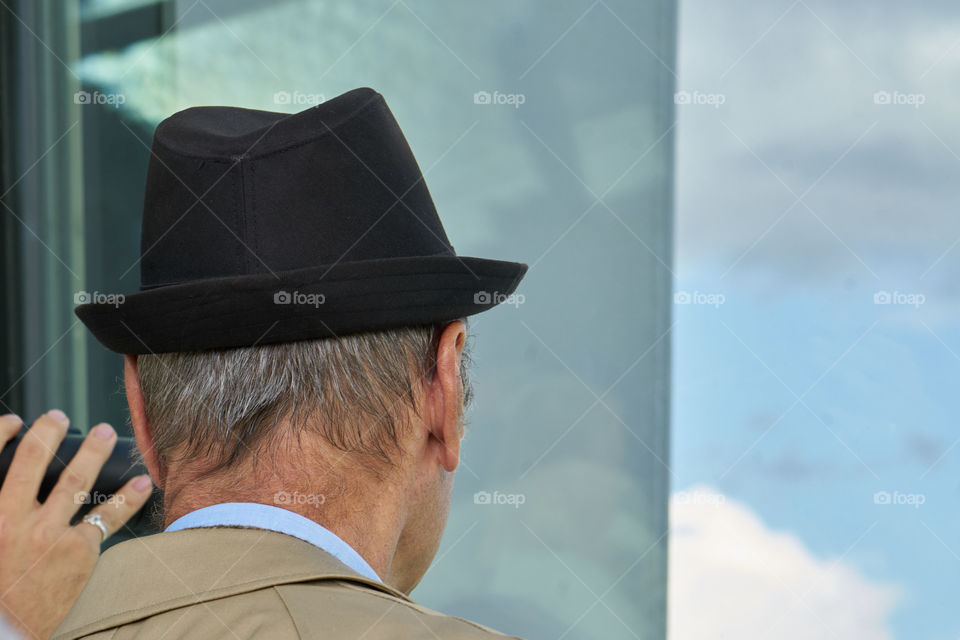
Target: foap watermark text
(715, 100)
(698, 297)
(297, 297)
(298, 98)
(97, 497)
(498, 498)
(915, 100)
(95, 97)
(495, 297)
(897, 498)
(96, 297)
(512, 99)
(899, 298)
(296, 497)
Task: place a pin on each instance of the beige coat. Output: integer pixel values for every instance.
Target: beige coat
(235, 584)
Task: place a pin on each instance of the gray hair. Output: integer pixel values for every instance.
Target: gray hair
(224, 406)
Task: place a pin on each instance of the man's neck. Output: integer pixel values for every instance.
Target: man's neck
(371, 527)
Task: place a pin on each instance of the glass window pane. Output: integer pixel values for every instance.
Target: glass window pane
(545, 131)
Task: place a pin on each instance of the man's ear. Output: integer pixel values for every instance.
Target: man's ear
(446, 395)
(138, 417)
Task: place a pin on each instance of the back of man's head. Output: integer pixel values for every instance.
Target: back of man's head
(212, 410)
(367, 419)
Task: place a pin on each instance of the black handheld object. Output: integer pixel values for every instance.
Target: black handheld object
(119, 468)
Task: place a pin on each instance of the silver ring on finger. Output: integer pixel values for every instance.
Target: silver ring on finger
(97, 521)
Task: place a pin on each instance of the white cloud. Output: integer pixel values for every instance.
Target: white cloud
(733, 577)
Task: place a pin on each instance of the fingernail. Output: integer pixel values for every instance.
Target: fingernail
(12, 416)
(58, 415)
(103, 431)
(142, 483)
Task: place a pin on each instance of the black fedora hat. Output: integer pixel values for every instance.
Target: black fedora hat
(262, 227)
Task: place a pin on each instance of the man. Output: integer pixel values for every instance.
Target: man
(295, 369)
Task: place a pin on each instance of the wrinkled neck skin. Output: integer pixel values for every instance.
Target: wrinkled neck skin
(374, 514)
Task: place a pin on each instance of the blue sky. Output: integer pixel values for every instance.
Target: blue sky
(799, 198)
(885, 410)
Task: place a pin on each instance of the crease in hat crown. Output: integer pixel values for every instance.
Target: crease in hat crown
(181, 134)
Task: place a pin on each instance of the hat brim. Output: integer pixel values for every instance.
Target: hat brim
(318, 302)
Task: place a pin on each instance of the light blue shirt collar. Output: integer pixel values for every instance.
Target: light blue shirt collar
(263, 516)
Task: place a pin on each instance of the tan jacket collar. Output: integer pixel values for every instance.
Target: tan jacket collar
(146, 576)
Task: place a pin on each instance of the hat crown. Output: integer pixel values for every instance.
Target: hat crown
(234, 191)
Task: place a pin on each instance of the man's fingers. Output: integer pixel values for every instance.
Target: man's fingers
(9, 427)
(78, 477)
(122, 506)
(31, 459)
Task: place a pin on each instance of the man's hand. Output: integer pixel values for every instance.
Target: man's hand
(45, 562)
